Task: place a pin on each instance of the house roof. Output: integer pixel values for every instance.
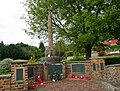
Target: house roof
(110, 42)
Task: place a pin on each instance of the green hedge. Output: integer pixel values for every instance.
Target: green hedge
(69, 53)
(75, 59)
(112, 60)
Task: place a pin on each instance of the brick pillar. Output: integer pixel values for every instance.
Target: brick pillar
(22, 84)
(5, 82)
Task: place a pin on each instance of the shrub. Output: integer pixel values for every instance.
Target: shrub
(78, 59)
(69, 53)
(112, 60)
(32, 60)
(75, 59)
(5, 66)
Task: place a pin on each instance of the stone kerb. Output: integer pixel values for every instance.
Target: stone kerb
(5, 82)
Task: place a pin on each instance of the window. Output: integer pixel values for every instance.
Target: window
(94, 66)
(19, 74)
(101, 66)
(78, 68)
(30, 72)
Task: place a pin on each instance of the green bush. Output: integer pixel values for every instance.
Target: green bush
(69, 53)
(112, 60)
(115, 47)
(78, 59)
(75, 59)
(32, 60)
(5, 66)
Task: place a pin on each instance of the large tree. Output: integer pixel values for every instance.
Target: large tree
(42, 48)
(19, 51)
(81, 21)
(60, 47)
(40, 20)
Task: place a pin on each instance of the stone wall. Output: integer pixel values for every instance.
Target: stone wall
(38, 69)
(68, 67)
(47, 76)
(43, 71)
(22, 84)
(98, 73)
(112, 74)
(5, 82)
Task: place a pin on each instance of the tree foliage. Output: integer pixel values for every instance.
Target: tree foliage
(83, 22)
(19, 51)
(36, 18)
(60, 45)
(5, 66)
(42, 48)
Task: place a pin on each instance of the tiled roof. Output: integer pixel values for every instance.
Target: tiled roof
(111, 42)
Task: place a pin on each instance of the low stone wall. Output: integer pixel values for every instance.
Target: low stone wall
(46, 69)
(38, 69)
(21, 84)
(112, 74)
(21, 65)
(98, 73)
(89, 71)
(5, 82)
(87, 64)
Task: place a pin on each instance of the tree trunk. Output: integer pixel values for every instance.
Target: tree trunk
(88, 51)
(50, 33)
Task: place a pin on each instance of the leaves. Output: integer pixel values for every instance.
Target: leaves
(32, 60)
(5, 66)
(83, 22)
(19, 51)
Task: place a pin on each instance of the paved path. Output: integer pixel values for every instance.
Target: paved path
(71, 85)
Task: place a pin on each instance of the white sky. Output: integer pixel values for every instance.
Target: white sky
(11, 26)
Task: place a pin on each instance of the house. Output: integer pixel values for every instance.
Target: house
(109, 51)
(111, 42)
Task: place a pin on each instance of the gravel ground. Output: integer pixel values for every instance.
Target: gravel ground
(71, 85)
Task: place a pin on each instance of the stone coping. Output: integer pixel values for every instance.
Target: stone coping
(19, 61)
(5, 76)
(97, 58)
(112, 65)
(33, 64)
(88, 61)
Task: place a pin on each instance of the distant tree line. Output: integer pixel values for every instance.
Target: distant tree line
(20, 51)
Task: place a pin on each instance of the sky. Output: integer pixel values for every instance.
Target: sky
(11, 26)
